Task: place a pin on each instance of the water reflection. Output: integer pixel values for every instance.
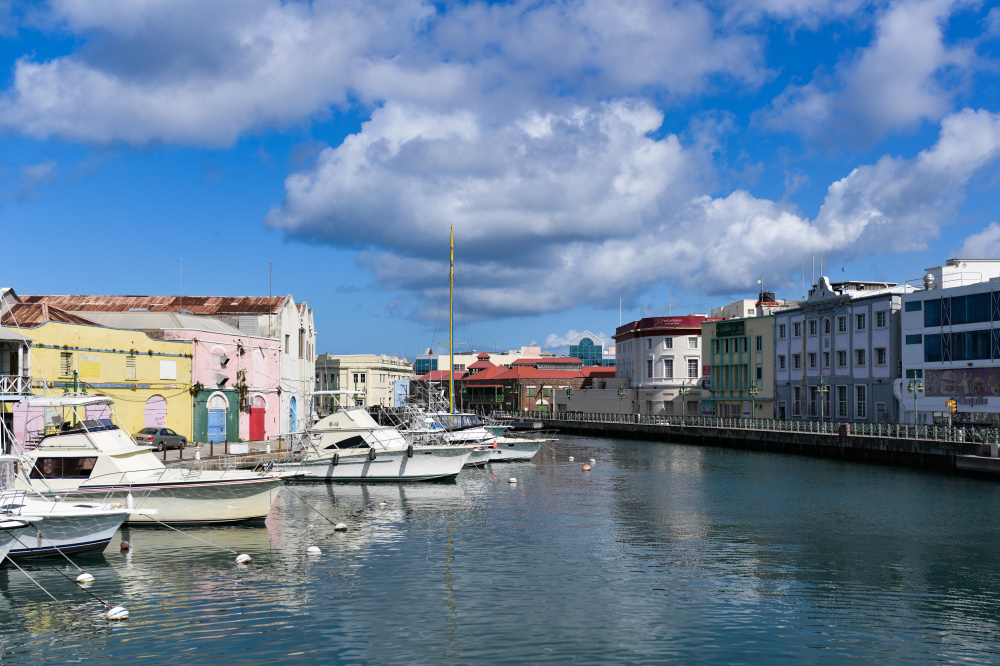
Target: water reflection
(660, 553)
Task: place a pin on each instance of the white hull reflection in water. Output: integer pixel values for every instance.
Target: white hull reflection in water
(685, 554)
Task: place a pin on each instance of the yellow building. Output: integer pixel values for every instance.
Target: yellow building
(148, 379)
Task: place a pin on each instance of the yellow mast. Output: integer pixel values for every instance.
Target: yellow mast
(451, 323)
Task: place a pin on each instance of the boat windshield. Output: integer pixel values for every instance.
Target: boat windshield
(458, 421)
(87, 425)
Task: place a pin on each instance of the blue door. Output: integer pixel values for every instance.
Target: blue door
(292, 421)
(217, 420)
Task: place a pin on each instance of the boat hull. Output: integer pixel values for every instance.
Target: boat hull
(438, 463)
(193, 502)
(514, 450)
(75, 532)
(10, 532)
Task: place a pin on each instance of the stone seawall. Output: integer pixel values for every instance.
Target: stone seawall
(929, 454)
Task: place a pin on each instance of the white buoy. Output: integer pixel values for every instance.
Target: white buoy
(571, 458)
(593, 460)
(84, 578)
(243, 558)
(129, 501)
(340, 527)
(313, 550)
(118, 613)
(511, 480)
(383, 504)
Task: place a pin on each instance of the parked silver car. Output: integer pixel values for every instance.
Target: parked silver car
(160, 438)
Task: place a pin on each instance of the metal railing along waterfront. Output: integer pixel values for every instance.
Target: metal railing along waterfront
(937, 433)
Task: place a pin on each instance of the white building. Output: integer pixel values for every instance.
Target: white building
(659, 359)
(841, 346)
(951, 344)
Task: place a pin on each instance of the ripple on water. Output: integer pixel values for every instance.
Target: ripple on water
(660, 553)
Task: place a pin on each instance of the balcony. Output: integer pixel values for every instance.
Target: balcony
(15, 385)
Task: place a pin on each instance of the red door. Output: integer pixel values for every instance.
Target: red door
(257, 419)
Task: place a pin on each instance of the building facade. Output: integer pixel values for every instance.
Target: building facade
(659, 358)
(738, 359)
(374, 376)
(590, 350)
(149, 379)
(277, 317)
(837, 355)
(951, 345)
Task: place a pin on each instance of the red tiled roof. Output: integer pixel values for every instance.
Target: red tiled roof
(196, 304)
(528, 372)
(485, 355)
(34, 314)
(596, 371)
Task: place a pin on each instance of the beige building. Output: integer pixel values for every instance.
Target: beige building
(738, 356)
(374, 375)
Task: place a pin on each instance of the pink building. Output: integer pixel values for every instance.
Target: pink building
(237, 376)
(240, 376)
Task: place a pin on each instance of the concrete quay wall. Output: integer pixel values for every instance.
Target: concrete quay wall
(966, 457)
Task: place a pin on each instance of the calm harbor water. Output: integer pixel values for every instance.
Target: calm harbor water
(662, 553)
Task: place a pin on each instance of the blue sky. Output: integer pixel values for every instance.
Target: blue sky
(654, 154)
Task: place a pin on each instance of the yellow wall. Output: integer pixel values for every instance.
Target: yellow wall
(99, 355)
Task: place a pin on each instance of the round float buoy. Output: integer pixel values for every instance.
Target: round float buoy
(84, 578)
(313, 550)
(243, 558)
(118, 613)
(125, 546)
(571, 458)
(383, 504)
(593, 460)
(586, 468)
(512, 480)
(340, 527)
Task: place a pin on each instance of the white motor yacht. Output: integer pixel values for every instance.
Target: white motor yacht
(52, 526)
(349, 445)
(83, 459)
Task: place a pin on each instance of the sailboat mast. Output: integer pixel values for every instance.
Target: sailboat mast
(451, 323)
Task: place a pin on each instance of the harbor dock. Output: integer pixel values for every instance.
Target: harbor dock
(942, 448)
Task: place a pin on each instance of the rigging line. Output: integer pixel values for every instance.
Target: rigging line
(465, 310)
(31, 357)
(55, 568)
(33, 580)
(284, 486)
(230, 550)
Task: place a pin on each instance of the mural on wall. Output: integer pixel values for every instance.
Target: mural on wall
(980, 382)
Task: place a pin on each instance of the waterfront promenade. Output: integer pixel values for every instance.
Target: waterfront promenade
(946, 448)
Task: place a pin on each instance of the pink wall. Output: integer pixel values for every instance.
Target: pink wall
(260, 359)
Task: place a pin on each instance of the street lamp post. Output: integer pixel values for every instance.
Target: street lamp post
(915, 386)
(753, 391)
(621, 398)
(569, 398)
(822, 389)
(683, 390)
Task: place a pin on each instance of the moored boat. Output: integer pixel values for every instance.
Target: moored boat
(86, 459)
(349, 445)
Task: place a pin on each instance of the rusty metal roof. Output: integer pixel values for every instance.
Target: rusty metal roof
(195, 304)
(33, 314)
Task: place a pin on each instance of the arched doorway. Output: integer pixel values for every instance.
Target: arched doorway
(156, 412)
(292, 421)
(258, 408)
(217, 407)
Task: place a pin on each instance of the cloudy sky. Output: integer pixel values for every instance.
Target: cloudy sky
(591, 155)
